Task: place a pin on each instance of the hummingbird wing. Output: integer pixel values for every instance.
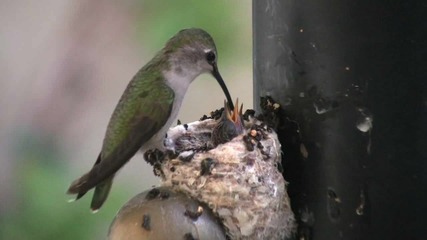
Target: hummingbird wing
(142, 111)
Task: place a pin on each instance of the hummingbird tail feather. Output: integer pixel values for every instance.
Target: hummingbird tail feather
(80, 185)
(101, 193)
(77, 186)
(80, 195)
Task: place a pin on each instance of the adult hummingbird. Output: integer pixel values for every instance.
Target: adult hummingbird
(148, 107)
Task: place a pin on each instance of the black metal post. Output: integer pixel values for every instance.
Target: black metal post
(352, 76)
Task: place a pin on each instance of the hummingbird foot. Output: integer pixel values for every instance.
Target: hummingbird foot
(153, 156)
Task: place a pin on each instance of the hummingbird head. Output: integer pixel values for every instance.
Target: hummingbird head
(192, 52)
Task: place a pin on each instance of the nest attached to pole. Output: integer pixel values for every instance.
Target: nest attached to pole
(239, 180)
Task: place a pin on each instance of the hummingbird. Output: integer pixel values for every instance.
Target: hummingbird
(229, 125)
(148, 107)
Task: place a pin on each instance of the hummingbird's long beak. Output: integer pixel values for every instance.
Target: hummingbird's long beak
(221, 82)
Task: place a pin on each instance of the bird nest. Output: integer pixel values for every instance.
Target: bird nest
(238, 180)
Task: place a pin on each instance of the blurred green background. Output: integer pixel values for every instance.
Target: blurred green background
(64, 65)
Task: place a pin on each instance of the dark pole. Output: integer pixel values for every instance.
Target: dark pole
(352, 77)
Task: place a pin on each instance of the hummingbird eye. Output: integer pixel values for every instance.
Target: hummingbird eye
(210, 57)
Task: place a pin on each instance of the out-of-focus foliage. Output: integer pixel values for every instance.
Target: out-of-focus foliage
(42, 210)
(219, 18)
(42, 122)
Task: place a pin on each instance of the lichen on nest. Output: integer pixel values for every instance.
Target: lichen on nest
(239, 180)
